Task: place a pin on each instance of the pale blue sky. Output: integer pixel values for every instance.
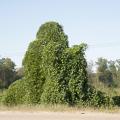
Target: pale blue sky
(95, 22)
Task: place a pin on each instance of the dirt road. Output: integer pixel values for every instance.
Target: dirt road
(58, 116)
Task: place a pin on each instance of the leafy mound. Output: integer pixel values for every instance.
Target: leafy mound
(54, 73)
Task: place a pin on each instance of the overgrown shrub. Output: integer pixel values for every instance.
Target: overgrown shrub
(98, 99)
(54, 73)
(16, 94)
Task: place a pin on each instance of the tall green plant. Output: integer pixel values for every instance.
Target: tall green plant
(54, 72)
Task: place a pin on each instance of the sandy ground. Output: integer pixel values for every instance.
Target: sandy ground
(58, 116)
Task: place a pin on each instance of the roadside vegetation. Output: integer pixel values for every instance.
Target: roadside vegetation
(55, 74)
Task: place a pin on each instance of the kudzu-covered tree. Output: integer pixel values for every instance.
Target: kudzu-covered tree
(54, 72)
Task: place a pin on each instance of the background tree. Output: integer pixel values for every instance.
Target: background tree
(19, 73)
(102, 65)
(118, 71)
(7, 72)
(103, 72)
(90, 72)
(113, 69)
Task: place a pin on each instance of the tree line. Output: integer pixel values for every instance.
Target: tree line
(107, 72)
(8, 72)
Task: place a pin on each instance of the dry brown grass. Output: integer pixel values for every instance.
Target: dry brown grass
(58, 108)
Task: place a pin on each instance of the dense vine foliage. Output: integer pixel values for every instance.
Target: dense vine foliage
(54, 73)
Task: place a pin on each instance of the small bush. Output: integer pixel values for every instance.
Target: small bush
(116, 100)
(95, 98)
(0, 98)
(16, 94)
